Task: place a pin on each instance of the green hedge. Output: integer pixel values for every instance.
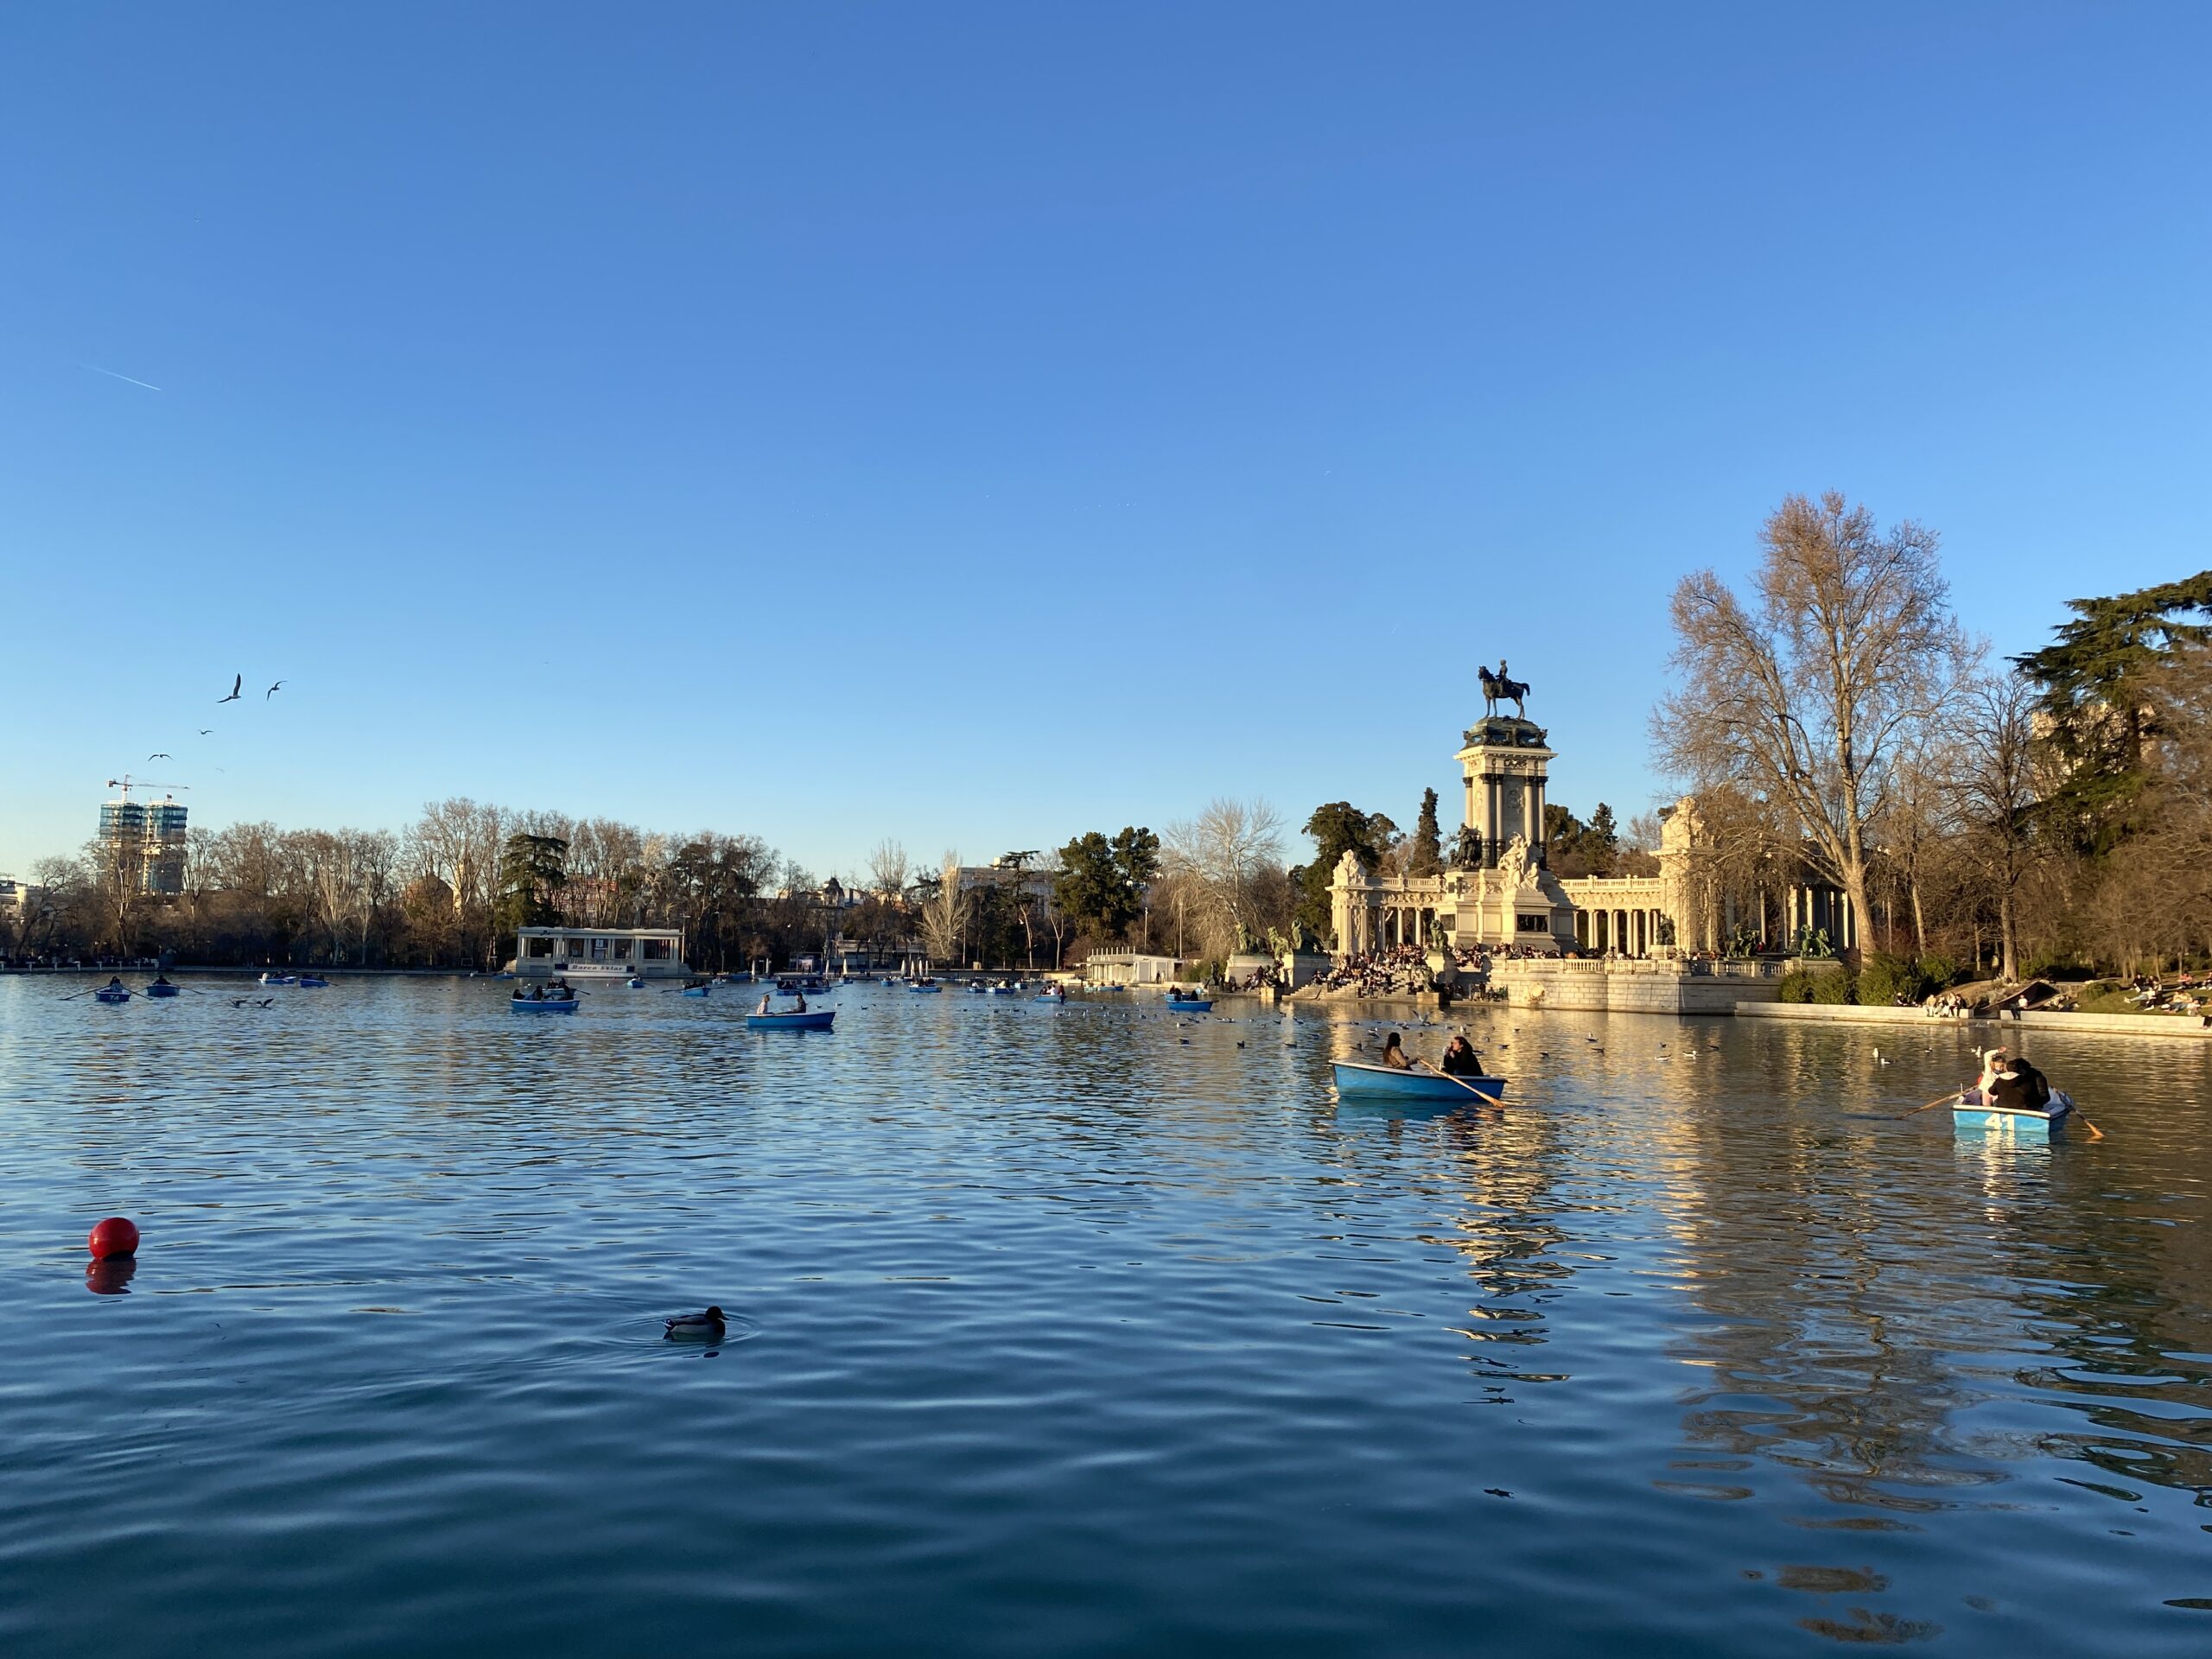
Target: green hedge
(1885, 978)
(1831, 984)
(1834, 987)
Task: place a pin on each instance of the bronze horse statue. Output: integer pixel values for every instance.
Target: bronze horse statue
(1497, 686)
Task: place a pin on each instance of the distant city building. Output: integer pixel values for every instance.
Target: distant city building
(18, 900)
(145, 840)
(1036, 884)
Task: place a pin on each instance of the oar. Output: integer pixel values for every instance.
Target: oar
(1940, 1100)
(1462, 1082)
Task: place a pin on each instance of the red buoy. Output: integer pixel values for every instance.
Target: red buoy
(114, 1237)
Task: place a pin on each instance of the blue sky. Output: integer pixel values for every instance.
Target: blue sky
(980, 424)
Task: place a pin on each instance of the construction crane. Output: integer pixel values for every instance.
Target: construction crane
(126, 785)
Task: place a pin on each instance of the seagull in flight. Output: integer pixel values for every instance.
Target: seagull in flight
(163, 755)
(272, 690)
(206, 731)
(236, 680)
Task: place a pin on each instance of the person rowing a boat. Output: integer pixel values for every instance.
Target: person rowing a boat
(1461, 1060)
(1394, 1055)
(2011, 1083)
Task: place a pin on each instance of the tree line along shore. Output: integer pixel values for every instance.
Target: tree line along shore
(2043, 812)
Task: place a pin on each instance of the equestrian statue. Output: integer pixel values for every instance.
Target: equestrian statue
(1498, 686)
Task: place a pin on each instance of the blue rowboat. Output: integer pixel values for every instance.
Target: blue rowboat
(161, 988)
(813, 1020)
(547, 1005)
(696, 990)
(1190, 1005)
(110, 994)
(1970, 1115)
(280, 979)
(1050, 996)
(636, 981)
(1359, 1077)
(313, 982)
(920, 986)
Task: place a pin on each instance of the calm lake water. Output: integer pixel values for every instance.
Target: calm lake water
(1082, 1331)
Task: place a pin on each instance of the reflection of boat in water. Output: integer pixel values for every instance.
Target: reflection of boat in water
(1360, 1078)
(1970, 1114)
(813, 1020)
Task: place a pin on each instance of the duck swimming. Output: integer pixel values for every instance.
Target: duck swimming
(708, 1326)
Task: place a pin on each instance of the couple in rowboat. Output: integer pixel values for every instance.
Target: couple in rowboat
(1461, 1060)
(2012, 1084)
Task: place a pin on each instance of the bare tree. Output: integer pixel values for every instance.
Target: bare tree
(1995, 794)
(944, 913)
(1218, 860)
(887, 870)
(1804, 694)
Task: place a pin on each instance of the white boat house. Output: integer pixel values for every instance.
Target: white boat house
(600, 952)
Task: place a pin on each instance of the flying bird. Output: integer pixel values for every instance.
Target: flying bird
(272, 690)
(206, 731)
(163, 755)
(236, 680)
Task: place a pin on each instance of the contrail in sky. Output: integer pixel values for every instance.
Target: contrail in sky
(96, 369)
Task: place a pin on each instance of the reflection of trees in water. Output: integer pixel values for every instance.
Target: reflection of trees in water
(1859, 1295)
(2127, 1348)
(1835, 1293)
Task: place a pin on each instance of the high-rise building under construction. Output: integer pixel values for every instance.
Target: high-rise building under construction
(145, 839)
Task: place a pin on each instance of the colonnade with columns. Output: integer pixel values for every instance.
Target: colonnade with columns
(1384, 925)
(1825, 910)
(1629, 930)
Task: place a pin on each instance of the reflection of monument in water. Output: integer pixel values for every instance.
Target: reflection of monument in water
(1504, 895)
